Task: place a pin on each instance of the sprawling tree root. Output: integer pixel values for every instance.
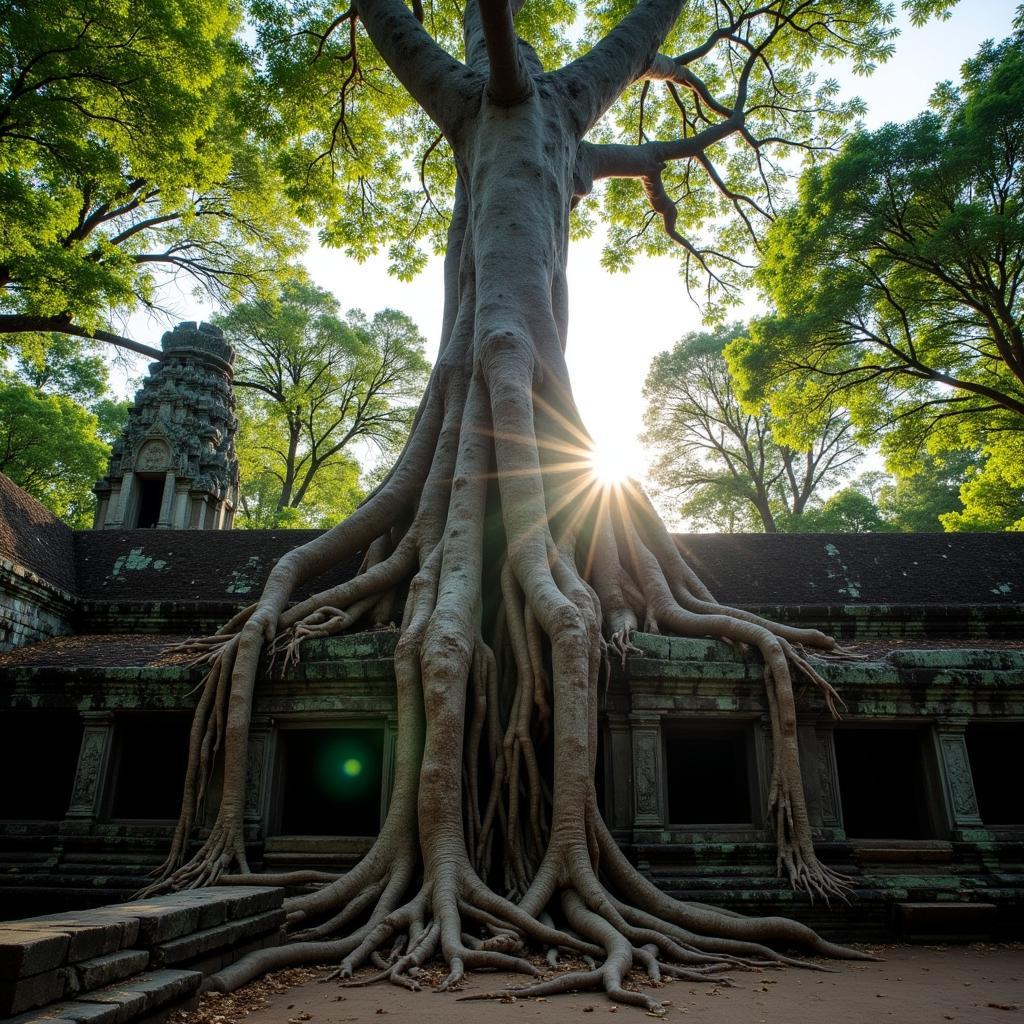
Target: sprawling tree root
(518, 578)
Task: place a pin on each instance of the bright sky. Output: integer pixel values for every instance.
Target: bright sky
(619, 322)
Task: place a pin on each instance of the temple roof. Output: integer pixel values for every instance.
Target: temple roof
(31, 536)
(746, 569)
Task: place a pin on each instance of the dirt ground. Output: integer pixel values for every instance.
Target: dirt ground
(914, 985)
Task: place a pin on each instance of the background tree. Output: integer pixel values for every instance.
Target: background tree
(915, 502)
(724, 462)
(132, 151)
(992, 494)
(315, 391)
(516, 568)
(896, 279)
(56, 423)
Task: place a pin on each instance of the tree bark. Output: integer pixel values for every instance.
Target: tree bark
(519, 574)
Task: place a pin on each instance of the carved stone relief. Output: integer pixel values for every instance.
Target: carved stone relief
(959, 781)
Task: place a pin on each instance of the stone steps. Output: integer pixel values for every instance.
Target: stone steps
(125, 962)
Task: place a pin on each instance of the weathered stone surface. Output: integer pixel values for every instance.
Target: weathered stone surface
(228, 902)
(90, 933)
(147, 993)
(26, 953)
(105, 970)
(122, 1003)
(81, 1013)
(36, 990)
(189, 947)
(163, 917)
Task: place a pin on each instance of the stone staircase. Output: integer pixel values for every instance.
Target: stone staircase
(131, 962)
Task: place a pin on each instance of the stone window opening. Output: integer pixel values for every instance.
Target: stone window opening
(328, 781)
(710, 772)
(41, 746)
(148, 767)
(886, 782)
(996, 751)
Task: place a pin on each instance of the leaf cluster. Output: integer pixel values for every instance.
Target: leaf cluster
(896, 278)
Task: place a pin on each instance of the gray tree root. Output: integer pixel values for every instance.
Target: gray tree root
(517, 577)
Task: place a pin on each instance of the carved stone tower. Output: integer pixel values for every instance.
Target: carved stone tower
(174, 467)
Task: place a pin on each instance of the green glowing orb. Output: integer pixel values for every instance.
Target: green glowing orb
(352, 767)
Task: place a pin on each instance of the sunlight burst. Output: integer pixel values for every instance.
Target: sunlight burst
(612, 463)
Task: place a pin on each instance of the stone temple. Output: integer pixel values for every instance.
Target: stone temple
(915, 793)
(174, 467)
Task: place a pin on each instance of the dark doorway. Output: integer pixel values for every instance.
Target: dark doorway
(996, 751)
(882, 783)
(330, 781)
(38, 757)
(149, 766)
(151, 497)
(709, 774)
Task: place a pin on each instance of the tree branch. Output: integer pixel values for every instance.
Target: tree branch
(435, 79)
(508, 83)
(598, 78)
(16, 324)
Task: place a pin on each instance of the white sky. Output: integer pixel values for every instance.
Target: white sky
(619, 322)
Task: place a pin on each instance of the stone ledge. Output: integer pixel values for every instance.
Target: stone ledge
(189, 947)
(22, 955)
(105, 970)
(70, 963)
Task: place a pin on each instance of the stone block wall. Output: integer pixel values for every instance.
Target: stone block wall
(31, 609)
(131, 961)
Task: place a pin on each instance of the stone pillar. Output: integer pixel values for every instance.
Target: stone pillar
(258, 772)
(763, 761)
(648, 772)
(828, 781)
(387, 768)
(120, 503)
(167, 502)
(618, 766)
(961, 804)
(91, 773)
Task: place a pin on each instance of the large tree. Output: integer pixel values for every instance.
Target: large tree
(315, 390)
(723, 461)
(897, 277)
(57, 423)
(517, 570)
(133, 150)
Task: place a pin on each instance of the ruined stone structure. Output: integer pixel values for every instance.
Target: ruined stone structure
(914, 794)
(174, 467)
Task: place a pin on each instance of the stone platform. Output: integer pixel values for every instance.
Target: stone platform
(134, 961)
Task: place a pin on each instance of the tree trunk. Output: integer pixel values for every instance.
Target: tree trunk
(484, 848)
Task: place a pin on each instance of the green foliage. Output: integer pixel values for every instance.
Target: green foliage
(60, 364)
(993, 493)
(56, 423)
(895, 282)
(846, 511)
(50, 446)
(916, 502)
(315, 391)
(131, 150)
(726, 465)
(726, 198)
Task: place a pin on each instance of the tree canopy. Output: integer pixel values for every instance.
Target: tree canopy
(317, 393)
(57, 423)
(896, 279)
(725, 462)
(132, 153)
